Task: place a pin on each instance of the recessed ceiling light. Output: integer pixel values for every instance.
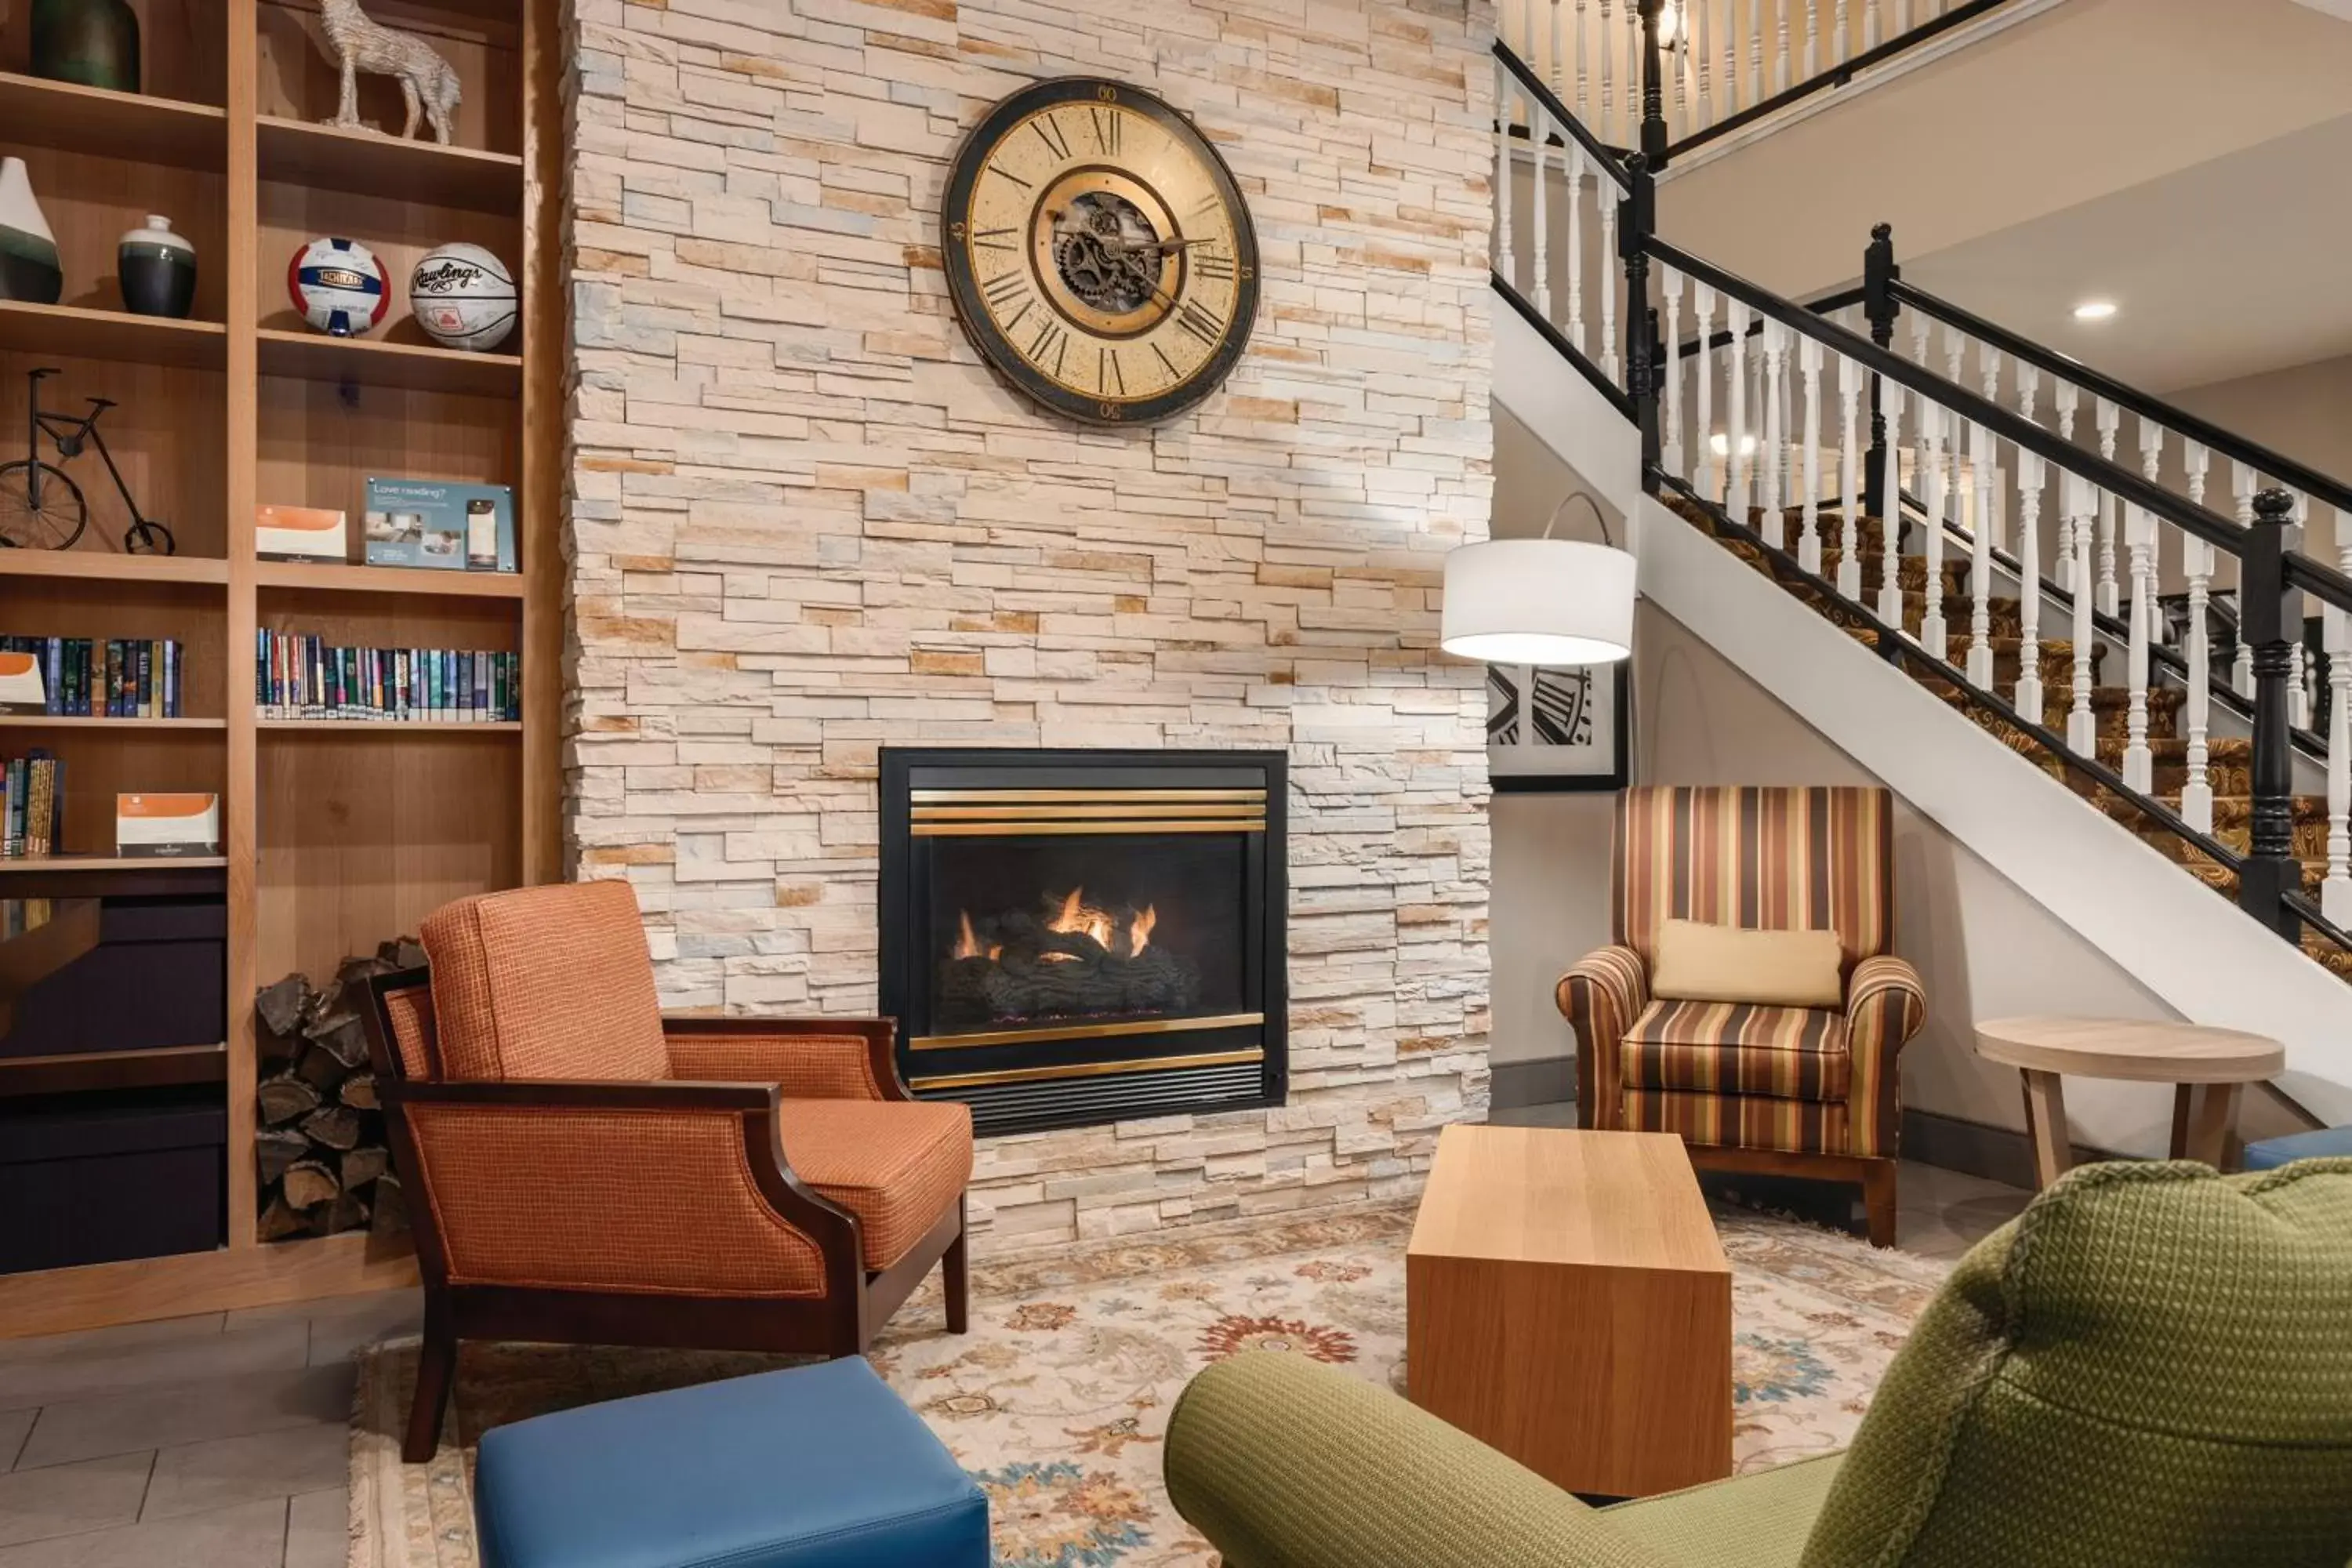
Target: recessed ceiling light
(2094, 309)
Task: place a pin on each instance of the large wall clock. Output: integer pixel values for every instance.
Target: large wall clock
(1099, 251)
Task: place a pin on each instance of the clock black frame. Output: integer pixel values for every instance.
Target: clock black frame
(963, 286)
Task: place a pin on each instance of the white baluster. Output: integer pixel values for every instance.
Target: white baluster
(1670, 436)
(1849, 572)
(2065, 397)
(2298, 671)
(1675, 61)
(1933, 635)
(1870, 25)
(1632, 73)
(1756, 52)
(1538, 133)
(1607, 192)
(1574, 159)
(1736, 410)
(1583, 80)
(1980, 561)
(1813, 38)
(1776, 499)
(1902, 18)
(2139, 539)
(2028, 586)
(1608, 43)
(2336, 891)
(1837, 42)
(2241, 498)
(2078, 502)
(1699, 11)
(2110, 600)
(1780, 47)
(1504, 263)
(2197, 789)
(1809, 367)
(1730, 58)
(1890, 521)
(1989, 369)
(1709, 477)
(2029, 389)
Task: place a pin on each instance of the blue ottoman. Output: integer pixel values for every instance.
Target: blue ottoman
(2272, 1152)
(817, 1467)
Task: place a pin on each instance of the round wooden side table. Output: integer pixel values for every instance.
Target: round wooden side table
(2210, 1066)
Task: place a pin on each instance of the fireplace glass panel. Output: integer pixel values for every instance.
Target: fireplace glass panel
(1038, 931)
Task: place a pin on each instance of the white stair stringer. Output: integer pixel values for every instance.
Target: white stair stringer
(2189, 947)
(1561, 409)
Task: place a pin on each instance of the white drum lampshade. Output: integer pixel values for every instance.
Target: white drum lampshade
(1550, 602)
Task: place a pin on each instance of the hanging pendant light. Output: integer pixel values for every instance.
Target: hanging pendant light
(1557, 603)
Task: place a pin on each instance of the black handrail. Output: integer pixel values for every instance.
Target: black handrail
(1619, 398)
(2122, 483)
(1836, 77)
(2279, 468)
(1551, 104)
(1836, 299)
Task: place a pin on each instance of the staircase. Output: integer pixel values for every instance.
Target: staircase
(1961, 516)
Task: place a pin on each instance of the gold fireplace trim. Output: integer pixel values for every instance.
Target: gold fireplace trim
(1078, 813)
(1090, 1070)
(921, 797)
(1083, 1031)
(1007, 829)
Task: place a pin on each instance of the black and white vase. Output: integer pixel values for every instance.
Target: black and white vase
(158, 269)
(28, 251)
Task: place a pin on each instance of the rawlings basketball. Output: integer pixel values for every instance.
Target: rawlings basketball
(338, 286)
(462, 298)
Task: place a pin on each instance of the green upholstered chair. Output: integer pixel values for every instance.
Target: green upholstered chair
(2151, 1368)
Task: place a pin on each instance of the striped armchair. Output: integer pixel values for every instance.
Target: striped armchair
(581, 1169)
(1796, 1091)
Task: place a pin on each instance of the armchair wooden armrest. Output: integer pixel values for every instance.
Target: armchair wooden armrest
(807, 1059)
(1601, 996)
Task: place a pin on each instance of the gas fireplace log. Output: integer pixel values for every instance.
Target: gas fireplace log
(285, 1099)
(1071, 976)
(274, 1148)
(307, 1183)
(364, 1164)
(357, 1092)
(336, 1126)
(280, 1219)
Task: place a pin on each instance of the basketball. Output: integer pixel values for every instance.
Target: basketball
(338, 286)
(462, 298)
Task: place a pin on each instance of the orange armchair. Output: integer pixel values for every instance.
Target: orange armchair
(584, 1170)
(1807, 1092)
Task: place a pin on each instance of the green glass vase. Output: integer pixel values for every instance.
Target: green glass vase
(93, 42)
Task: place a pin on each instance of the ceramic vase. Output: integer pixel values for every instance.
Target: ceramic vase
(158, 269)
(93, 42)
(28, 251)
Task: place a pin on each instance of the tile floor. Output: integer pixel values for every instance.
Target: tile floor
(220, 1441)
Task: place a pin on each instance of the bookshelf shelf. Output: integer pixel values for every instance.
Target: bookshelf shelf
(388, 729)
(69, 118)
(64, 721)
(61, 332)
(375, 363)
(81, 1070)
(366, 163)
(35, 863)
(389, 580)
(104, 566)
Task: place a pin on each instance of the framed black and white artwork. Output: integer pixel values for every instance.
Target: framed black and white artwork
(1557, 729)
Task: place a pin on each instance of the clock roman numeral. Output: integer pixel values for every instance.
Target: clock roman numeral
(1108, 376)
(996, 239)
(1106, 127)
(1202, 324)
(1051, 134)
(1212, 265)
(1001, 169)
(1166, 360)
(1051, 339)
(1005, 287)
(1207, 205)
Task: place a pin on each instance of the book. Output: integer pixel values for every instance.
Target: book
(300, 674)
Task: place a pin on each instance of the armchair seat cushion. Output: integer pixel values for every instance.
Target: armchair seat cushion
(1743, 1120)
(1737, 1048)
(897, 1165)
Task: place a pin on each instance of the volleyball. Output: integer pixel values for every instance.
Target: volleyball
(338, 286)
(462, 298)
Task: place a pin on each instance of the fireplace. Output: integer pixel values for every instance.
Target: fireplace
(1075, 937)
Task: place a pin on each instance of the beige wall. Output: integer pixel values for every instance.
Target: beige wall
(806, 522)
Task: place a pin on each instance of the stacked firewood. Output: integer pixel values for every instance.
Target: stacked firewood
(319, 1140)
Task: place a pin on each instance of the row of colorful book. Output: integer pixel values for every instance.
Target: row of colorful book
(300, 676)
(32, 805)
(90, 678)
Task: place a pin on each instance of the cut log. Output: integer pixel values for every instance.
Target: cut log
(391, 1206)
(336, 1126)
(280, 1006)
(359, 1091)
(346, 1213)
(353, 973)
(280, 1219)
(308, 1184)
(276, 1147)
(320, 1071)
(365, 1165)
(284, 1098)
(341, 1034)
(405, 953)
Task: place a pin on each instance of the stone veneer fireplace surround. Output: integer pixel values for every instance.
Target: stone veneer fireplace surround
(1071, 938)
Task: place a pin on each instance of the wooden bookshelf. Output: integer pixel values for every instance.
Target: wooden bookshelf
(338, 834)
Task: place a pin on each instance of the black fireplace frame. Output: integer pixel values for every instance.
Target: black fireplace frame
(1034, 1085)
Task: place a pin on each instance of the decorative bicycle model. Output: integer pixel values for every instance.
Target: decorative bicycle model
(40, 506)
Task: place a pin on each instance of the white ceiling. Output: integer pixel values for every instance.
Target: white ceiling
(2221, 269)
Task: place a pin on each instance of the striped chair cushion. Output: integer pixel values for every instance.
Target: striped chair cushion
(1734, 1048)
(1766, 859)
(1742, 1120)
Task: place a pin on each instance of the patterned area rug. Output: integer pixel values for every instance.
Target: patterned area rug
(1057, 1399)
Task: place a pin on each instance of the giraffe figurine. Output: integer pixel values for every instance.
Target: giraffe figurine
(427, 83)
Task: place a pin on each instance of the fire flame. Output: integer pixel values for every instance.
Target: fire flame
(1076, 918)
(1139, 931)
(967, 945)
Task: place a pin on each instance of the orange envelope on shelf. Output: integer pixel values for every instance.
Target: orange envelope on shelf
(21, 690)
(165, 824)
(300, 534)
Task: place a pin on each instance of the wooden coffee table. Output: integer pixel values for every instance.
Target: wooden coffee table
(2208, 1067)
(1567, 1302)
